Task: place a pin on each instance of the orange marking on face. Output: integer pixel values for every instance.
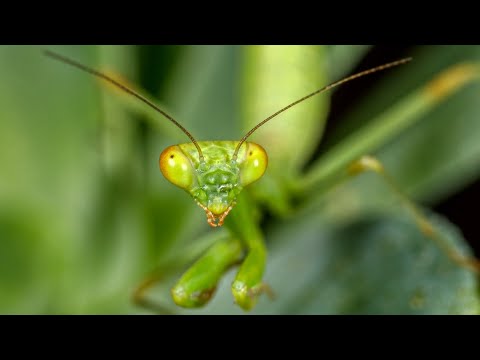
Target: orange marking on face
(212, 219)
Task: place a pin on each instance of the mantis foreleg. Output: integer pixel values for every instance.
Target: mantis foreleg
(248, 283)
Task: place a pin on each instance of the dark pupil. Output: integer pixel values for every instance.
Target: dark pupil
(171, 156)
(251, 152)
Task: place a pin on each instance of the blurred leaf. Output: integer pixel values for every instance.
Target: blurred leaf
(385, 266)
(47, 146)
(373, 265)
(440, 154)
(204, 93)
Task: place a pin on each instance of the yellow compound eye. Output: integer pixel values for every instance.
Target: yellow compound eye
(176, 167)
(254, 164)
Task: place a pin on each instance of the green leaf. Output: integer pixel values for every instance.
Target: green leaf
(385, 266)
(372, 265)
(440, 154)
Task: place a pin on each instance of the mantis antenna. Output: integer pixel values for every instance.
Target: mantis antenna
(127, 90)
(328, 87)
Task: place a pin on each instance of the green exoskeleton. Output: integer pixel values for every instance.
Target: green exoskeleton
(215, 173)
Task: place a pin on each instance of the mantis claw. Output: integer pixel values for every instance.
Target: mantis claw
(242, 295)
(195, 299)
(246, 297)
(199, 282)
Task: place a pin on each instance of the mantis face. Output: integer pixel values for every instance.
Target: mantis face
(216, 181)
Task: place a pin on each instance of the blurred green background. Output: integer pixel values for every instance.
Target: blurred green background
(85, 214)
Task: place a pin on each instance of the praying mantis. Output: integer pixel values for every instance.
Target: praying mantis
(281, 184)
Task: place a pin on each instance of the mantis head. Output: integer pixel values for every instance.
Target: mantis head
(216, 181)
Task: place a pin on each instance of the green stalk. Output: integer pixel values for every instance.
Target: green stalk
(326, 170)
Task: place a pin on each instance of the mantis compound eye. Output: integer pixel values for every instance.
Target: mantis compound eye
(176, 167)
(254, 164)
